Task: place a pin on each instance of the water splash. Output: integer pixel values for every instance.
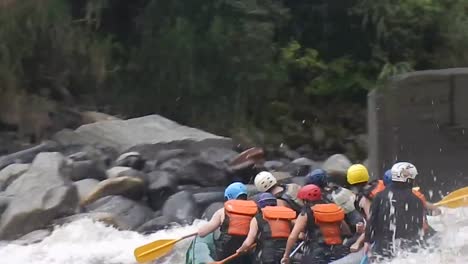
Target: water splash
(88, 242)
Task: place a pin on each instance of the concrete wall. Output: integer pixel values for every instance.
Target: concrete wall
(422, 117)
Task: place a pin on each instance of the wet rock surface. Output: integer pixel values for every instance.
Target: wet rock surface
(144, 181)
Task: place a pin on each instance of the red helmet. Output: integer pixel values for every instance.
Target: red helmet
(310, 192)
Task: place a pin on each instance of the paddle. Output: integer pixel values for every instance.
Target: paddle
(365, 260)
(455, 199)
(157, 249)
(297, 249)
(233, 256)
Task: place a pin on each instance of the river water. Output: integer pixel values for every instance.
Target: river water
(88, 242)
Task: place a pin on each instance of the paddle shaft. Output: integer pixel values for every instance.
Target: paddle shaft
(172, 243)
(297, 249)
(233, 256)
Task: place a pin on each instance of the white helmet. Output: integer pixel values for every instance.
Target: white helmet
(345, 199)
(264, 181)
(402, 171)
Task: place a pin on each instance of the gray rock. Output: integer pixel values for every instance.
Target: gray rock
(153, 129)
(273, 165)
(153, 225)
(296, 170)
(87, 169)
(181, 208)
(196, 170)
(129, 214)
(251, 190)
(27, 155)
(298, 180)
(107, 218)
(211, 209)
(286, 152)
(131, 159)
(336, 167)
(33, 237)
(40, 195)
(85, 188)
(337, 164)
(205, 198)
(102, 155)
(4, 201)
(305, 162)
(130, 187)
(11, 173)
(163, 184)
(116, 172)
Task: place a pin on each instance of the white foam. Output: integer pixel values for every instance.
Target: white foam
(88, 242)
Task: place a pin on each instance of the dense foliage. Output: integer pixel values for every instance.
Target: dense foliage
(228, 65)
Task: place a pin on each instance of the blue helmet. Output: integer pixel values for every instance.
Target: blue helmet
(234, 190)
(266, 199)
(317, 177)
(387, 178)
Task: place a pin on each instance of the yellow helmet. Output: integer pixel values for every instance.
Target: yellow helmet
(357, 173)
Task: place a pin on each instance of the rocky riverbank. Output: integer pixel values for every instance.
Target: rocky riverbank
(140, 174)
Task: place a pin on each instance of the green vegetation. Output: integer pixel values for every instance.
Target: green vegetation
(228, 66)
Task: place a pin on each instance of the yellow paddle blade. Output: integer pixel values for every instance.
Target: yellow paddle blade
(457, 193)
(154, 250)
(455, 199)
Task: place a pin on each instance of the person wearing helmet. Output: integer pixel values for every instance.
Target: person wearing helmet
(319, 177)
(233, 222)
(345, 199)
(286, 194)
(270, 228)
(429, 207)
(358, 179)
(323, 225)
(387, 178)
(397, 216)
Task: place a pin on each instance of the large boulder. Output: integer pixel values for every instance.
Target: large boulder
(153, 225)
(40, 195)
(106, 218)
(181, 208)
(162, 185)
(129, 214)
(130, 187)
(33, 237)
(85, 188)
(336, 166)
(211, 209)
(4, 201)
(27, 155)
(11, 173)
(85, 169)
(120, 171)
(123, 135)
(197, 170)
(204, 197)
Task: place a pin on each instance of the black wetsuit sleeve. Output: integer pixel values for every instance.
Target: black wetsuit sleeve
(372, 222)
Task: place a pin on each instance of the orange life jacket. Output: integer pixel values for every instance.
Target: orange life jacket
(420, 195)
(328, 218)
(279, 220)
(238, 213)
(378, 188)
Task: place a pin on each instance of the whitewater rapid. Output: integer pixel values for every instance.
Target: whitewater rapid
(88, 242)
